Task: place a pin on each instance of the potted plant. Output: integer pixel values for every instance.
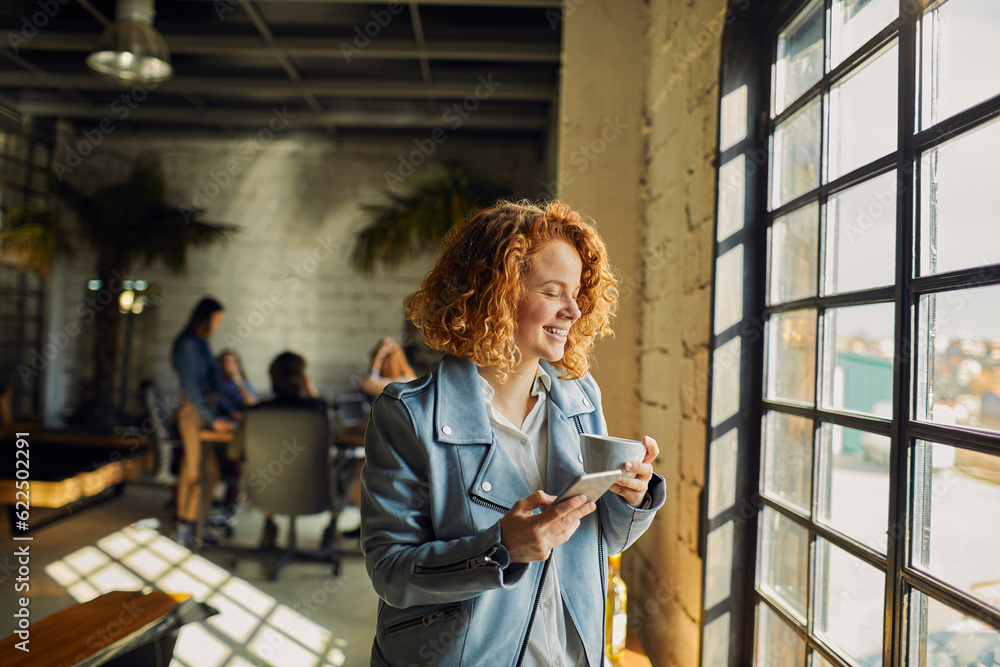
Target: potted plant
(124, 222)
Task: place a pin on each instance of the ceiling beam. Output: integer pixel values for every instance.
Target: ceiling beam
(316, 47)
(269, 88)
(502, 4)
(302, 119)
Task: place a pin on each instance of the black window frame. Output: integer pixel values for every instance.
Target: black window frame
(746, 60)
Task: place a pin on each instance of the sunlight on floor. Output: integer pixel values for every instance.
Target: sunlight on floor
(251, 626)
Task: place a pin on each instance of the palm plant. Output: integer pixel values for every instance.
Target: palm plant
(440, 197)
(123, 222)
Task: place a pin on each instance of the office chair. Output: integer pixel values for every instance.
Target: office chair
(165, 440)
(287, 471)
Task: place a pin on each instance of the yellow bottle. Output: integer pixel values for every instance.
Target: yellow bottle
(615, 620)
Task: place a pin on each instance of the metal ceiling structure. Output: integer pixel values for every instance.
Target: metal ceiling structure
(346, 68)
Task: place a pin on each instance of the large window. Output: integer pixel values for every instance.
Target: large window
(867, 207)
(23, 162)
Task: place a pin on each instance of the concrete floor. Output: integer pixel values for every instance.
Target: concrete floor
(305, 618)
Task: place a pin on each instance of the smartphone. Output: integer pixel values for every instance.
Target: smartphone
(592, 485)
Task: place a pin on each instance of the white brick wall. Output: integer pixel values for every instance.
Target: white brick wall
(299, 204)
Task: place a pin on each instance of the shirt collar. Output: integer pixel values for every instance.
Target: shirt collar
(541, 386)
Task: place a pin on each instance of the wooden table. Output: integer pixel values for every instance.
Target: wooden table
(141, 626)
(209, 439)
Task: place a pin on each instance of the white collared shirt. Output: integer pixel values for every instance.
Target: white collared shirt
(554, 639)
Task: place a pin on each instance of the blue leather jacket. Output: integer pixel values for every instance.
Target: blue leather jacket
(434, 488)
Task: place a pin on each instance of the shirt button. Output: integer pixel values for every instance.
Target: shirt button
(446, 430)
(548, 603)
(487, 486)
(524, 441)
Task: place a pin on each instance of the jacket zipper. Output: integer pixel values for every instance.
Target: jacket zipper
(428, 620)
(600, 560)
(534, 610)
(492, 506)
(604, 580)
(482, 560)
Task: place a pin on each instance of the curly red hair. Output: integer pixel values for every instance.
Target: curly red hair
(467, 304)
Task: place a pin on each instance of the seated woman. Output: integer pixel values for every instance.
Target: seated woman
(292, 388)
(236, 394)
(460, 464)
(388, 365)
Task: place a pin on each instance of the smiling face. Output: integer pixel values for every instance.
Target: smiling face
(548, 306)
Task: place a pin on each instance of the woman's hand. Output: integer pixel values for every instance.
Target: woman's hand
(221, 425)
(530, 537)
(633, 489)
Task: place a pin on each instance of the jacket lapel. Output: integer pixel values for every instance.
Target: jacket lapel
(564, 461)
(460, 418)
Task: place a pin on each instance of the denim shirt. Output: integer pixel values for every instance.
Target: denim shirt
(434, 487)
(198, 373)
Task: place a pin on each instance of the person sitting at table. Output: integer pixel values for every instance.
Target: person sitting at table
(237, 392)
(389, 365)
(292, 388)
(201, 382)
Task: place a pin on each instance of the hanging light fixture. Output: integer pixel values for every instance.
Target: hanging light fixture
(130, 50)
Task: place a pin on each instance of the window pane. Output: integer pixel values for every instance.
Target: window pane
(732, 197)
(955, 518)
(854, 22)
(726, 378)
(847, 603)
(861, 236)
(777, 644)
(858, 350)
(722, 473)
(852, 488)
(788, 446)
(718, 564)
(784, 562)
(800, 56)
(939, 635)
(792, 255)
(729, 289)
(957, 205)
(715, 642)
(795, 155)
(863, 114)
(791, 354)
(960, 55)
(958, 374)
(816, 660)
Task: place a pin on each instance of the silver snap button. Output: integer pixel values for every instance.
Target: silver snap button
(446, 430)
(586, 402)
(579, 457)
(487, 486)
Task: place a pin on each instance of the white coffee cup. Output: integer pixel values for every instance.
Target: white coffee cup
(605, 452)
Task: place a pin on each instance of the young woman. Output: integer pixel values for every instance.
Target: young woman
(201, 382)
(461, 463)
